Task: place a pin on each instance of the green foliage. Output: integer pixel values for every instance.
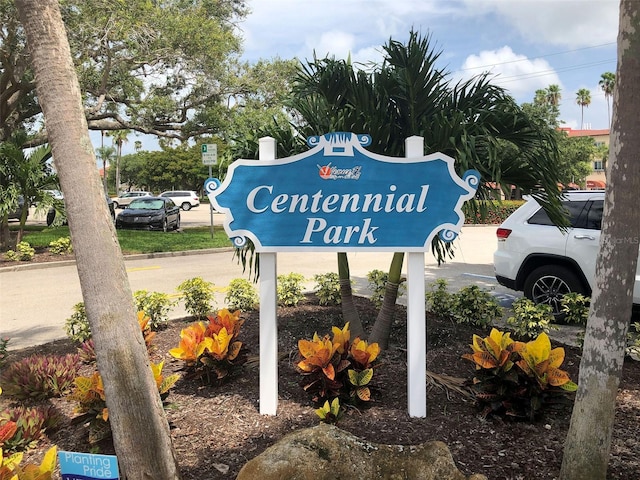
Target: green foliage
(491, 212)
(290, 289)
(197, 295)
(4, 342)
(530, 320)
(31, 423)
(61, 246)
(156, 305)
(23, 253)
(336, 367)
(40, 376)
(330, 412)
(328, 288)
(439, 300)
(377, 284)
(475, 306)
(517, 379)
(575, 307)
(241, 295)
(633, 342)
(77, 325)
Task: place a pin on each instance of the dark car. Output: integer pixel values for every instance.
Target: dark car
(17, 213)
(150, 213)
(51, 214)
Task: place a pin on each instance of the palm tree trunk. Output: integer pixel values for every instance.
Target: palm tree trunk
(349, 310)
(382, 328)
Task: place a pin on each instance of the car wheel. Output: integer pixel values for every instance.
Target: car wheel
(177, 225)
(165, 226)
(548, 284)
(186, 206)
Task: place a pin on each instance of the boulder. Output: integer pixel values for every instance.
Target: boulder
(327, 453)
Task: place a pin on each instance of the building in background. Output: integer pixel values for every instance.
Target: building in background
(596, 180)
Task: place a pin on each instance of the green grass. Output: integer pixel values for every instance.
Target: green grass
(140, 241)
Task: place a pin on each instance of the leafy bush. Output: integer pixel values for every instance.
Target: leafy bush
(328, 288)
(30, 425)
(4, 341)
(210, 352)
(377, 283)
(241, 295)
(11, 469)
(575, 307)
(330, 412)
(336, 367)
(439, 300)
(61, 246)
(517, 379)
(77, 325)
(40, 376)
(23, 253)
(529, 319)
(475, 306)
(490, 212)
(92, 405)
(633, 342)
(156, 305)
(198, 296)
(289, 289)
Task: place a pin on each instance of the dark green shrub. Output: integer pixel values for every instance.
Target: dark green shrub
(77, 325)
(156, 305)
(475, 306)
(328, 288)
(241, 295)
(40, 376)
(198, 296)
(378, 283)
(290, 289)
(439, 300)
(490, 212)
(530, 320)
(575, 307)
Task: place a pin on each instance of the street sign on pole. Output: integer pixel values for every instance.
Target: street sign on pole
(209, 154)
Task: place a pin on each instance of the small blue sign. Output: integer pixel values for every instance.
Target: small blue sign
(87, 466)
(340, 197)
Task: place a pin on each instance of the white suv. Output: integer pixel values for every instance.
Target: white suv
(183, 198)
(125, 198)
(537, 258)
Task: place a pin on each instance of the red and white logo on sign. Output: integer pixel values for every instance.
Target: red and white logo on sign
(325, 172)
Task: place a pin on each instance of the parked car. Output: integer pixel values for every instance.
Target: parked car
(17, 213)
(186, 199)
(150, 213)
(51, 214)
(534, 256)
(125, 198)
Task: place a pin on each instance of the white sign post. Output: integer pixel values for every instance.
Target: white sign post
(210, 157)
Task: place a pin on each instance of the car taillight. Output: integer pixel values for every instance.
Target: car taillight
(503, 233)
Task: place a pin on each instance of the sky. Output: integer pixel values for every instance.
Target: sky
(525, 45)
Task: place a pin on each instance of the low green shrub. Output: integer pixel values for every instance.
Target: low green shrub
(530, 320)
(198, 296)
(439, 299)
(23, 253)
(576, 308)
(241, 295)
(156, 305)
(328, 288)
(490, 212)
(475, 306)
(61, 246)
(289, 289)
(40, 376)
(77, 325)
(4, 341)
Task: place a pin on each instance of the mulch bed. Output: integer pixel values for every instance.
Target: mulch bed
(216, 430)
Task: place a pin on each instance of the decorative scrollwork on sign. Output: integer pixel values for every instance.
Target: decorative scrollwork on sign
(447, 235)
(239, 242)
(471, 178)
(211, 185)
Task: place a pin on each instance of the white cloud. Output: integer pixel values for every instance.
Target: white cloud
(516, 73)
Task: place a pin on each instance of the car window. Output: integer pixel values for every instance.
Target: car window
(573, 210)
(147, 204)
(594, 215)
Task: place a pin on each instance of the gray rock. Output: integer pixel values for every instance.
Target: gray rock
(327, 453)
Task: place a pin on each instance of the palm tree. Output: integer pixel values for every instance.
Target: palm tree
(607, 83)
(407, 95)
(583, 98)
(105, 154)
(119, 138)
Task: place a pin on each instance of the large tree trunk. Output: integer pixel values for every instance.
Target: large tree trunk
(586, 452)
(140, 429)
(381, 330)
(349, 310)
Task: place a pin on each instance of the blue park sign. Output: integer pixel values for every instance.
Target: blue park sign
(340, 197)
